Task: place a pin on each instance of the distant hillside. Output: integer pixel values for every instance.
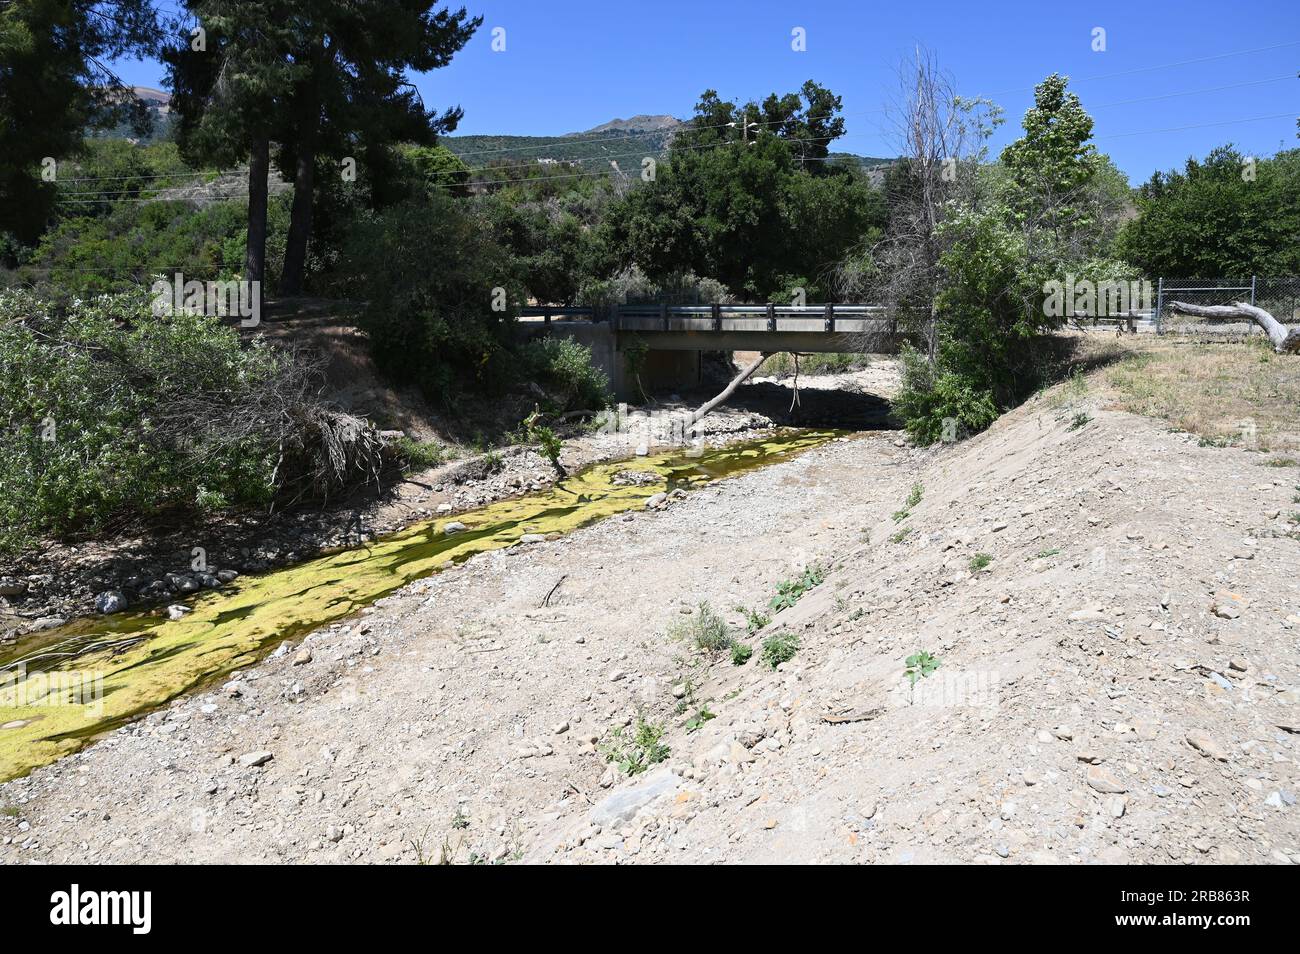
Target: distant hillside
(158, 104)
(620, 140)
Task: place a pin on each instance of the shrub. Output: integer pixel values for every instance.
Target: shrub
(109, 414)
(779, 647)
(431, 276)
(563, 367)
(635, 752)
(706, 630)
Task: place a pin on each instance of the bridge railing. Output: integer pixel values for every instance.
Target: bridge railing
(690, 317)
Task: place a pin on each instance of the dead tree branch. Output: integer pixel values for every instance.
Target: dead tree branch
(1285, 341)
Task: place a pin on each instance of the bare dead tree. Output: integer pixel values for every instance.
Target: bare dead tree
(940, 138)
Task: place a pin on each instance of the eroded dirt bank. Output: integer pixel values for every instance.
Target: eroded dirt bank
(1118, 636)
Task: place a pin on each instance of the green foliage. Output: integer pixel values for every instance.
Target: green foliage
(702, 715)
(1055, 204)
(428, 273)
(755, 619)
(779, 648)
(417, 455)
(133, 243)
(55, 87)
(564, 369)
(920, 666)
(913, 498)
(1220, 216)
(979, 561)
(107, 413)
(751, 216)
(705, 630)
(635, 752)
(789, 592)
(740, 653)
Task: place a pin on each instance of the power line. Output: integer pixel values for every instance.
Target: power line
(1162, 66)
(1227, 122)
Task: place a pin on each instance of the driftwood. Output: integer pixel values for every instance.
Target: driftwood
(1284, 341)
(730, 389)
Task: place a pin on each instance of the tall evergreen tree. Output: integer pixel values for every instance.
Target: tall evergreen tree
(295, 83)
(54, 86)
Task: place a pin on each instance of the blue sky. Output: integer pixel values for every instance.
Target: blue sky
(571, 65)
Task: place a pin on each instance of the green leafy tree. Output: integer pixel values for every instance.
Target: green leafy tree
(750, 205)
(54, 86)
(1225, 215)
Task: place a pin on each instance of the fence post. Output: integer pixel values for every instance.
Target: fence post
(717, 317)
(1252, 289)
(830, 316)
(663, 313)
(1160, 304)
(771, 317)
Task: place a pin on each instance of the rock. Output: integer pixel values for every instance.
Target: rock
(1207, 746)
(560, 728)
(1092, 614)
(254, 759)
(177, 611)
(1228, 605)
(679, 690)
(533, 538)
(621, 806)
(656, 501)
(453, 526)
(303, 657)
(617, 675)
(227, 576)
(739, 755)
(110, 601)
(1101, 780)
(12, 586)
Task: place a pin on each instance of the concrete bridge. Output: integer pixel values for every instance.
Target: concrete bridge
(675, 335)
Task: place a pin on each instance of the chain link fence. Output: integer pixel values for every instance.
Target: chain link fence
(1280, 297)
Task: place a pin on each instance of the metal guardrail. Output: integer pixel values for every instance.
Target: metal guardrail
(828, 312)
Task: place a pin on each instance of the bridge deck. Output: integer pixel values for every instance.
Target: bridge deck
(812, 328)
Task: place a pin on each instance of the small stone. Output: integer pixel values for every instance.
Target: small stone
(1091, 614)
(110, 601)
(679, 690)
(177, 611)
(560, 728)
(1207, 746)
(1102, 780)
(303, 657)
(254, 759)
(453, 526)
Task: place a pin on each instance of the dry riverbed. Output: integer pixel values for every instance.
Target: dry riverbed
(1118, 680)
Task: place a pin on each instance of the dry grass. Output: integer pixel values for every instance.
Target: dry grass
(1229, 394)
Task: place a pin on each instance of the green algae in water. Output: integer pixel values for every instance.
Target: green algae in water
(113, 669)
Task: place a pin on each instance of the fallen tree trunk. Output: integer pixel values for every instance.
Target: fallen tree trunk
(1284, 341)
(730, 389)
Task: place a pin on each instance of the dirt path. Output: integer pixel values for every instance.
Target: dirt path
(1119, 681)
